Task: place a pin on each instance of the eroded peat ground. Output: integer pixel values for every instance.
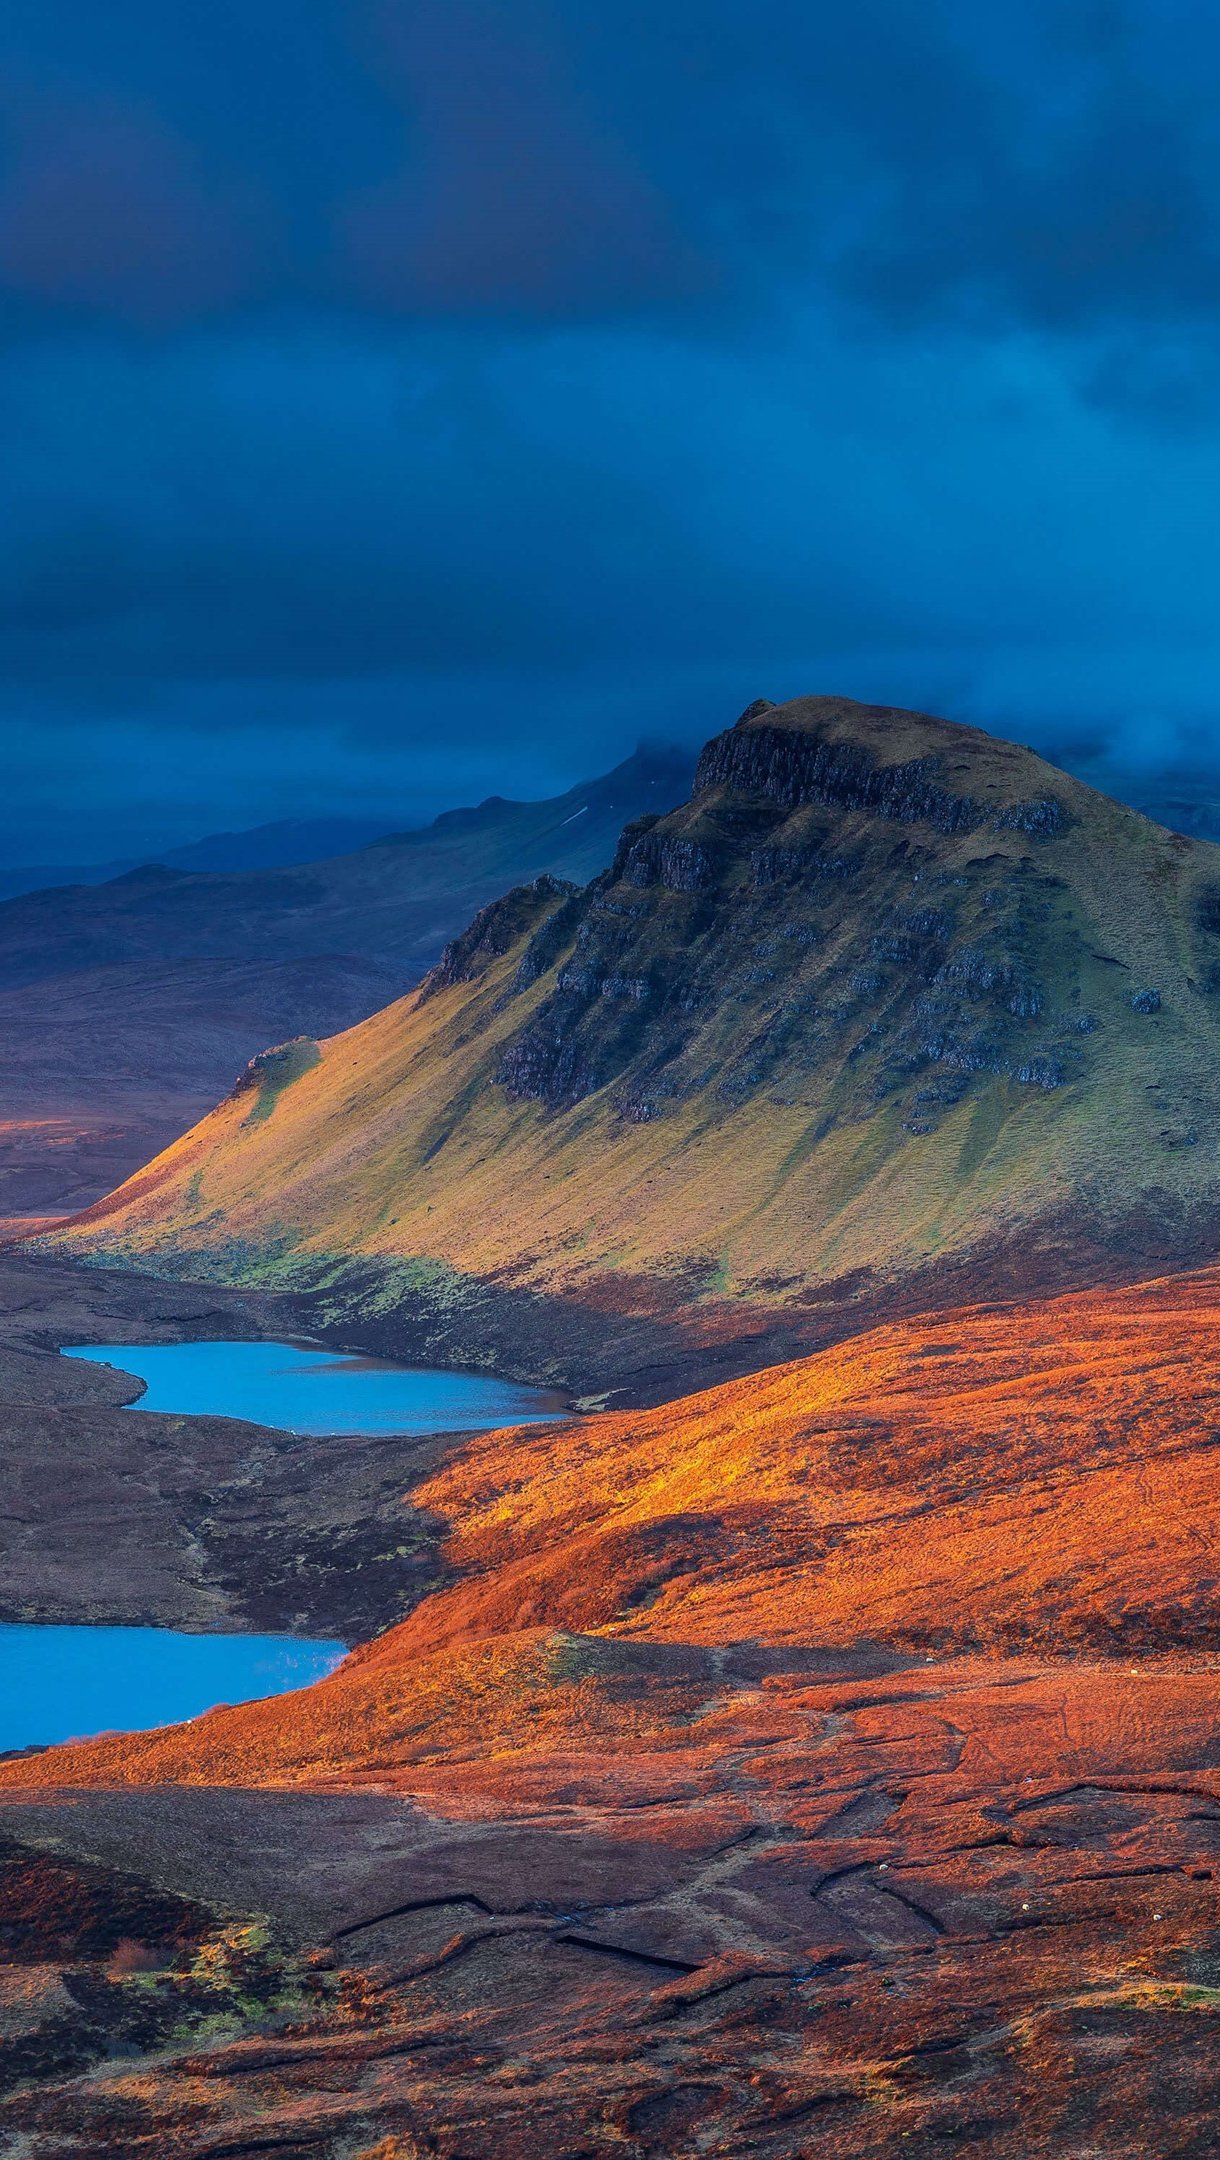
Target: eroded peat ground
(826, 1764)
(697, 1902)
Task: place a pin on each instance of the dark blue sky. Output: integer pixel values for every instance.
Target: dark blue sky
(406, 399)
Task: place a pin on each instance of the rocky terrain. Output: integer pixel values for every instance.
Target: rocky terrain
(888, 1011)
(127, 1007)
(827, 1762)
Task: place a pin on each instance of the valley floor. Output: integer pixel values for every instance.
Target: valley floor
(828, 1763)
(739, 1904)
(195, 1522)
(53, 1163)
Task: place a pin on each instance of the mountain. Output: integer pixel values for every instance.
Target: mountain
(126, 1008)
(278, 845)
(888, 1009)
(1182, 804)
(836, 1748)
(259, 847)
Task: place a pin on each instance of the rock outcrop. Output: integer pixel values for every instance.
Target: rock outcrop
(794, 769)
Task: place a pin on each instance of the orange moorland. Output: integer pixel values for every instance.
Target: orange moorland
(1043, 1477)
(836, 1751)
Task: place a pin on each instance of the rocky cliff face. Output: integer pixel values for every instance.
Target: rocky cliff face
(781, 925)
(495, 930)
(793, 769)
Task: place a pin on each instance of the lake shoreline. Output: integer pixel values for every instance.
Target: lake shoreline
(309, 1390)
(208, 1524)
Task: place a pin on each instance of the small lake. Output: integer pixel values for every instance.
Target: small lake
(306, 1390)
(68, 1683)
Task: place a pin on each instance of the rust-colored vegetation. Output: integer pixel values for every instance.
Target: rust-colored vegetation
(1037, 1479)
(840, 1746)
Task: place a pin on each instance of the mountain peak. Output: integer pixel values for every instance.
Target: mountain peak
(905, 765)
(884, 995)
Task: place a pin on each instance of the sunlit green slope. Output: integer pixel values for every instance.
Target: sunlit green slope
(884, 991)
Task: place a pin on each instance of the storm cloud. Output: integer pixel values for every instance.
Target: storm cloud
(403, 401)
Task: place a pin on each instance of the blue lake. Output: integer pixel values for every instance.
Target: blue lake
(66, 1683)
(318, 1391)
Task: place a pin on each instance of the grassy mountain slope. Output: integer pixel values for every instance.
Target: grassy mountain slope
(885, 993)
(126, 1008)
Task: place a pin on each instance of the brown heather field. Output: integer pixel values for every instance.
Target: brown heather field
(827, 1763)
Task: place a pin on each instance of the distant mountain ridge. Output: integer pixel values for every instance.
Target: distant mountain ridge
(258, 847)
(1184, 805)
(886, 996)
(126, 1008)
